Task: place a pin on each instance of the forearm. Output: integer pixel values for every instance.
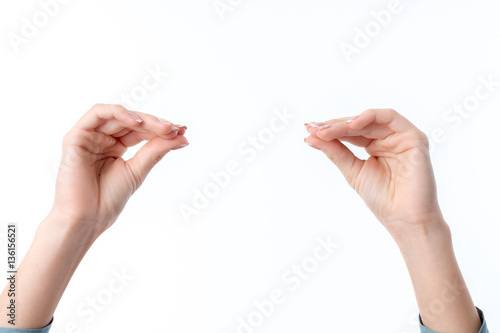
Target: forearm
(443, 298)
(44, 273)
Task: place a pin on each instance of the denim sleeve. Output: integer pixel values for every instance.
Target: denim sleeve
(38, 330)
(484, 327)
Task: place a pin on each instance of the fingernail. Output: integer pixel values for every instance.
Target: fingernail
(352, 119)
(310, 145)
(163, 121)
(136, 118)
(180, 126)
(174, 128)
(180, 146)
(319, 125)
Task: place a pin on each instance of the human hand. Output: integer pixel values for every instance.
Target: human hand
(396, 181)
(94, 183)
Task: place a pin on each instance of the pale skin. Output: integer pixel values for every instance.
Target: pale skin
(94, 184)
(92, 188)
(397, 183)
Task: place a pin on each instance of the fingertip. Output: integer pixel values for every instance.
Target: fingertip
(320, 134)
(314, 142)
(179, 142)
(311, 145)
(182, 131)
(308, 127)
(181, 146)
(327, 133)
(162, 146)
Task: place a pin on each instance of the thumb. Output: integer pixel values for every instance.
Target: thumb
(152, 153)
(340, 155)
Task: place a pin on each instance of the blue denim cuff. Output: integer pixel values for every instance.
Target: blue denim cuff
(484, 327)
(37, 330)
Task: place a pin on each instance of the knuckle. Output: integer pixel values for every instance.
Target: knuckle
(68, 138)
(390, 113)
(118, 108)
(96, 107)
(419, 138)
(424, 140)
(119, 111)
(421, 135)
(76, 137)
(385, 111)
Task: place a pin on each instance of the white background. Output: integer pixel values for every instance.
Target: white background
(224, 79)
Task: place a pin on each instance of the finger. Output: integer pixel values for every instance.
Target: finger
(340, 155)
(90, 141)
(116, 150)
(341, 129)
(328, 122)
(155, 125)
(111, 119)
(387, 117)
(101, 113)
(122, 133)
(134, 137)
(150, 124)
(112, 127)
(358, 141)
(182, 129)
(324, 125)
(151, 153)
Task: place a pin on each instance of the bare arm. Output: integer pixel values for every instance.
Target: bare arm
(45, 272)
(443, 299)
(93, 186)
(397, 183)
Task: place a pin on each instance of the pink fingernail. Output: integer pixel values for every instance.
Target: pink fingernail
(136, 118)
(163, 121)
(181, 126)
(352, 119)
(180, 146)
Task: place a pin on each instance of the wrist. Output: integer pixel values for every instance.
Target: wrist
(59, 224)
(404, 227)
(413, 238)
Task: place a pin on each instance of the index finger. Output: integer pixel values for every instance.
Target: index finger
(387, 117)
(341, 129)
(372, 124)
(100, 113)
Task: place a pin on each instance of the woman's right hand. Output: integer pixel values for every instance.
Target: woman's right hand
(396, 181)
